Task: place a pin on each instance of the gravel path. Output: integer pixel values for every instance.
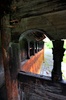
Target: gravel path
(47, 66)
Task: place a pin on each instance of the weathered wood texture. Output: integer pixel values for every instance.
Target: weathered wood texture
(33, 65)
(29, 8)
(5, 33)
(58, 52)
(1, 66)
(14, 60)
(37, 87)
(10, 65)
(49, 15)
(14, 69)
(2, 77)
(4, 7)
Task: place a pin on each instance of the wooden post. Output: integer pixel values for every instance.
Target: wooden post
(35, 47)
(15, 68)
(10, 77)
(58, 52)
(32, 46)
(28, 51)
(6, 37)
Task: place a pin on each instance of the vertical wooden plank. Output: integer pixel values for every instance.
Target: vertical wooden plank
(6, 37)
(10, 62)
(28, 51)
(14, 69)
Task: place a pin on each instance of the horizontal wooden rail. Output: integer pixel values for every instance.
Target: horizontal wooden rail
(34, 63)
(38, 87)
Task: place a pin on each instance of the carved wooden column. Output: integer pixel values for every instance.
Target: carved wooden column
(36, 47)
(58, 52)
(32, 48)
(28, 51)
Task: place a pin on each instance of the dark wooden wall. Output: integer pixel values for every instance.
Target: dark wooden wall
(38, 87)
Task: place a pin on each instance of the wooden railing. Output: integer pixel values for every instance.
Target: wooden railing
(38, 87)
(33, 65)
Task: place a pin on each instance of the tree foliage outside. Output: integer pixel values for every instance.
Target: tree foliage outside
(64, 57)
(49, 45)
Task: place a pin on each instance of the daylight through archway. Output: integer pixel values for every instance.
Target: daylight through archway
(47, 65)
(63, 68)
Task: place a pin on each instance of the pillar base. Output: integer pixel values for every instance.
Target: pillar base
(56, 76)
(28, 57)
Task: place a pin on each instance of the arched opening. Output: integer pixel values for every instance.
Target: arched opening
(31, 43)
(33, 48)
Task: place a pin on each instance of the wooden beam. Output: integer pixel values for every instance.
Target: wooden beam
(33, 8)
(5, 35)
(11, 83)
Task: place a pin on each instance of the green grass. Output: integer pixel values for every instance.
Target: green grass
(49, 45)
(64, 77)
(64, 45)
(64, 59)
